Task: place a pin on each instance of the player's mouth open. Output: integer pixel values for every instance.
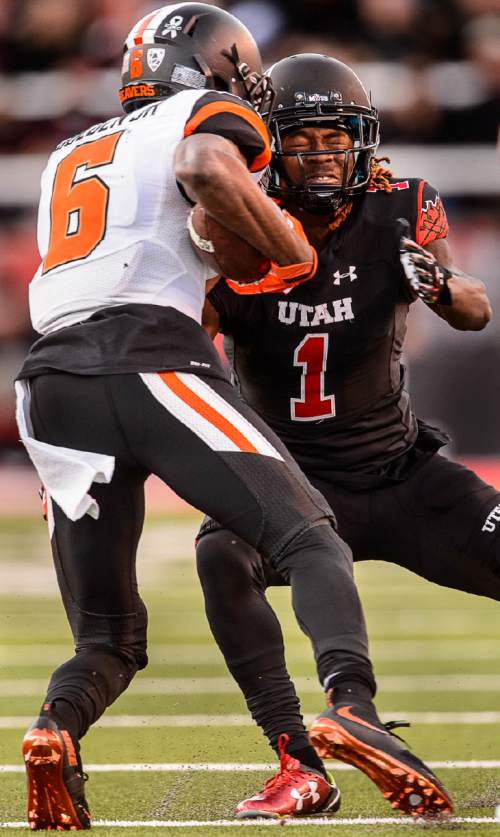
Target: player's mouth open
(323, 178)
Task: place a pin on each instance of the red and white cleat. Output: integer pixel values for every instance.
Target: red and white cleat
(295, 791)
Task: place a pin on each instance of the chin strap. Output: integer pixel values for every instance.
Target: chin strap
(379, 179)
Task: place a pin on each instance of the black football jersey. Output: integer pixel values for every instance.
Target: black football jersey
(322, 363)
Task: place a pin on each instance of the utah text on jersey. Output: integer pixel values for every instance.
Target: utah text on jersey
(334, 311)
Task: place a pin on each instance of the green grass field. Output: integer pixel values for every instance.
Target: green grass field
(437, 658)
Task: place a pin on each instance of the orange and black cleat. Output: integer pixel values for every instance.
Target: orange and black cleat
(56, 798)
(352, 732)
(296, 790)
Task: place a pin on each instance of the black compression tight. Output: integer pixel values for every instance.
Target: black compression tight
(247, 631)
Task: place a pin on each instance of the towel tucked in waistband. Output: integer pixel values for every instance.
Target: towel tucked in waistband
(65, 473)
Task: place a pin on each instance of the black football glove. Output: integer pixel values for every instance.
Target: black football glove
(426, 278)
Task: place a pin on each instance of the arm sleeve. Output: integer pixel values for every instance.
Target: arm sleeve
(236, 120)
(431, 221)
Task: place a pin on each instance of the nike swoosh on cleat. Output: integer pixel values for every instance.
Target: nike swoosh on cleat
(345, 712)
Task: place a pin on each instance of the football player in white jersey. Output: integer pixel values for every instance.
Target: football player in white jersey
(124, 382)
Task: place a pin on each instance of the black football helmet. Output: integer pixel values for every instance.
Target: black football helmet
(185, 46)
(313, 91)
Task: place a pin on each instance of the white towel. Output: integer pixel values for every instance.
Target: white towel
(67, 474)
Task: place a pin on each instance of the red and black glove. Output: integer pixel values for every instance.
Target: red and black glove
(281, 277)
(426, 278)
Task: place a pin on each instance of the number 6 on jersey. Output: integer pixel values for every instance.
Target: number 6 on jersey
(79, 203)
(311, 355)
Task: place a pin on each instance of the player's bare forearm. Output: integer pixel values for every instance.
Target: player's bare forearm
(213, 173)
(211, 283)
(210, 319)
(470, 308)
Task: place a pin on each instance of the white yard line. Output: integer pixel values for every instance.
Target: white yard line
(400, 650)
(237, 767)
(307, 685)
(138, 721)
(299, 821)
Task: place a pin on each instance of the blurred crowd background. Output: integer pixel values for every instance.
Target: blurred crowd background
(433, 67)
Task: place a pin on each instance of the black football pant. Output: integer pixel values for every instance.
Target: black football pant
(214, 452)
(443, 523)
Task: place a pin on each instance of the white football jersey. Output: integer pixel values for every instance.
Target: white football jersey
(112, 221)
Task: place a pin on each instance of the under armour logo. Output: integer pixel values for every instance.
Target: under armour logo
(301, 797)
(173, 26)
(352, 275)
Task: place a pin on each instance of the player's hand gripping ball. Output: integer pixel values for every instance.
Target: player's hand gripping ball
(281, 278)
(245, 270)
(223, 250)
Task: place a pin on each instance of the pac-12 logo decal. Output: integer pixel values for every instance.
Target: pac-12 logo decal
(154, 58)
(351, 274)
(173, 26)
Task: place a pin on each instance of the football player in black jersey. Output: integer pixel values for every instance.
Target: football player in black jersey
(321, 363)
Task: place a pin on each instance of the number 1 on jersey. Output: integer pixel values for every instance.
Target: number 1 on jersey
(311, 355)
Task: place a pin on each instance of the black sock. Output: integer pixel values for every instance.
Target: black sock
(354, 690)
(66, 718)
(309, 758)
(84, 686)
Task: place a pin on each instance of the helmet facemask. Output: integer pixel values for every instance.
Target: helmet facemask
(360, 123)
(257, 87)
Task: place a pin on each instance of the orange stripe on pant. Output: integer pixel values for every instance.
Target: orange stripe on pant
(211, 415)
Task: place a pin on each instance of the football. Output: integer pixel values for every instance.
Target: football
(223, 250)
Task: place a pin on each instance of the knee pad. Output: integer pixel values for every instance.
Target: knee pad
(124, 635)
(132, 654)
(222, 555)
(319, 543)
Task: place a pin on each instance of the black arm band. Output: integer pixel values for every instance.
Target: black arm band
(444, 297)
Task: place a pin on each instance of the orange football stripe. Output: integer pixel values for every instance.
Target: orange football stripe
(213, 108)
(196, 403)
(145, 22)
(263, 160)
